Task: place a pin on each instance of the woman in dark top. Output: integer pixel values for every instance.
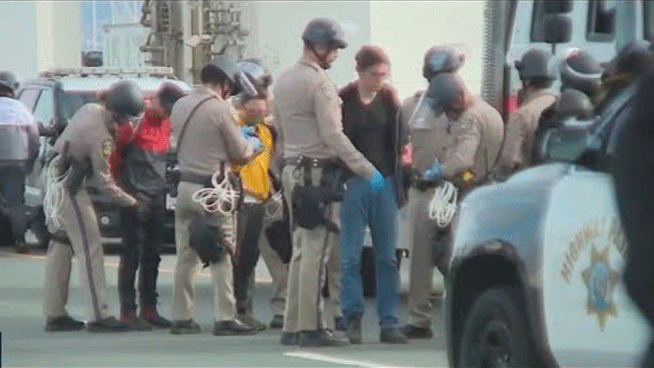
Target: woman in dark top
(370, 110)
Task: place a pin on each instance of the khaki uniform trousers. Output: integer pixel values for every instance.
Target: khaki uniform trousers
(307, 271)
(81, 226)
(422, 234)
(188, 261)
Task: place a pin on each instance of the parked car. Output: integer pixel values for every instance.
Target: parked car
(53, 98)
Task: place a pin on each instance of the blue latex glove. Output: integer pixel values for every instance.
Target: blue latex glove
(255, 142)
(248, 130)
(434, 172)
(377, 182)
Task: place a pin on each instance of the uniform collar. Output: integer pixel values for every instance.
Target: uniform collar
(310, 63)
(536, 95)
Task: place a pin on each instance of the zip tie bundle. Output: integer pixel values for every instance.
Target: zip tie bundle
(274, 206)
(443, 204)
(223, 197)
(54, 193)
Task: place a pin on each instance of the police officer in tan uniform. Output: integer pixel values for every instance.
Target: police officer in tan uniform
(309, 115)
(537, 76)
(476, 128)
(429, 140)
(84, 149)
(207, 139)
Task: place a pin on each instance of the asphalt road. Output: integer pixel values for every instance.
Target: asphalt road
(25, 343)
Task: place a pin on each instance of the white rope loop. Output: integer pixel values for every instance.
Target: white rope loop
(222, 198)
(442, 206)
(53, 198)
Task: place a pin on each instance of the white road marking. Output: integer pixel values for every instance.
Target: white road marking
(338, 361)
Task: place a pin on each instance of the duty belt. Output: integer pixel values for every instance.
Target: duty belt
(308, 161)
(200, 179)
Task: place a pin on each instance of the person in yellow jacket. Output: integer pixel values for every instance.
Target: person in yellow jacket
(251, 111)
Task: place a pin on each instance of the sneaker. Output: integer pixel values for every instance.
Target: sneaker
(277, 322)
(136, 323)
(319, 339)
(233, 327)
(414, 332)
(185, 327)
(249, 320)
(289, 338)
(109, 324)
(63, 323)
(339, 324)
(393, 335)
(152, 316)
(353, 331)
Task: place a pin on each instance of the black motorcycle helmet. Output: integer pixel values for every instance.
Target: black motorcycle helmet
(535, 64)
(580, 71)
(324, 32)
(125, 99)
(442, 59)
(8, 81)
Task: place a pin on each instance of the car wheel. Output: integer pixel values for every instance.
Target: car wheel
(495, 332)
(40, 230)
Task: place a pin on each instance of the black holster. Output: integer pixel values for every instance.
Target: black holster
(207, 239)
(310, 202)
(79, 170)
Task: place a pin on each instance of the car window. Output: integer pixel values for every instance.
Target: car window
(540, 13)
(72, 101)
(648, 22)
(601, 21)
(44, 110)
(29, 97)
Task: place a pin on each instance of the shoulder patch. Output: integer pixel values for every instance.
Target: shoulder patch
(108, 147)
(329, 89)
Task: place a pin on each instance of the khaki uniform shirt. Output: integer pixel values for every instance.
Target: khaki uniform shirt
(429, 144)
(476, 142)
(521, 130)
(308, 114)
(90, 134)
(211, 137)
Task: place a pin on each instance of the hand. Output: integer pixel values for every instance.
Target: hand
(248, 130)
(255, 142)
(434, 172)
(377, 182)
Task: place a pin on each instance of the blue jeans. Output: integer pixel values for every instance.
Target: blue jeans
(358, 209)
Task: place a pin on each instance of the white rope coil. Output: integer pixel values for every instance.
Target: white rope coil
(442, 206)
(222, 198)
(53, 199)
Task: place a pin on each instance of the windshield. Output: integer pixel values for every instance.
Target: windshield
(74, 100)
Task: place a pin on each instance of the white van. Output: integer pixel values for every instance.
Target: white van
(600, 27)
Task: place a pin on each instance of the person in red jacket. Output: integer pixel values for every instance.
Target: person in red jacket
(138, 166)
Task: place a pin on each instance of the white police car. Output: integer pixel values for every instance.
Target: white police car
(536, 267)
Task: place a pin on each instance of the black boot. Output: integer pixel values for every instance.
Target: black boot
(319, 338)
(109, 324)
(151, 315)
(63, 323)
(233, 327)
(185, 327)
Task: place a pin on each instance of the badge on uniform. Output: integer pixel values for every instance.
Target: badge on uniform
(108, 147)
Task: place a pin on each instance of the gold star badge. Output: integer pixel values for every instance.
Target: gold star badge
(600, 281)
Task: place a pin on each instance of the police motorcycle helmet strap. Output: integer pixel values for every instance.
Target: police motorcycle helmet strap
(325, 32)
(442, 59)
(125, 99)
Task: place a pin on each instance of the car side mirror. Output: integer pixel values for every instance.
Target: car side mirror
(558, 29)
(558, 6)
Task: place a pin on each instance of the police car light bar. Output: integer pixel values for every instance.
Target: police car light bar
(101, 71)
